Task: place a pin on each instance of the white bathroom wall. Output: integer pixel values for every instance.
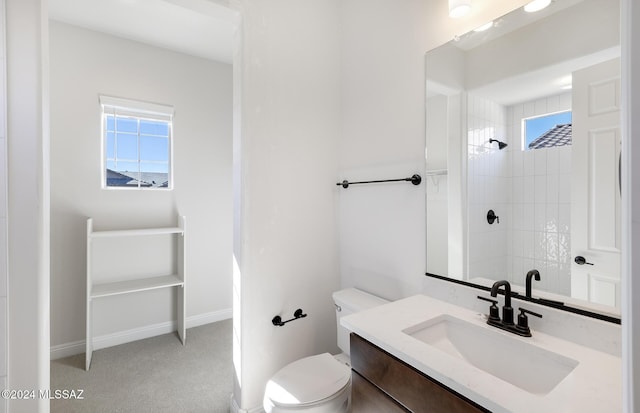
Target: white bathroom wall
(287, 145)
(85, 64)
(488, 188)
(27, 201)
(540, 235)
(382, 227)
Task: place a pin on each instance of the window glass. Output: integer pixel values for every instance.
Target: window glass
(137, 146)
(547, 131)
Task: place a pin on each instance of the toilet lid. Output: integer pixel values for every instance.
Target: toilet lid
(308, 380)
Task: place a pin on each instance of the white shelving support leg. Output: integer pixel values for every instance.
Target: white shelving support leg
(89, 338)
(89, 332)
(182, 271)
(182, 333)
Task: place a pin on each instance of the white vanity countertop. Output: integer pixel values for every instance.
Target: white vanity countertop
(595, 385)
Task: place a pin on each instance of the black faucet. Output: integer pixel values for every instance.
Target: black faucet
(522, 329)
(507, 310)
(531, 274)
(535, 274)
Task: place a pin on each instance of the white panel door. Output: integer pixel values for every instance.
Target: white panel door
(595, 196)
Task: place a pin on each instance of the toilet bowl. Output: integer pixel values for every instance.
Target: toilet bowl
(320, 383)
(315, 384)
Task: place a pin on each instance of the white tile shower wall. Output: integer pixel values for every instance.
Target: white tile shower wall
(540, 189)
(489, 188)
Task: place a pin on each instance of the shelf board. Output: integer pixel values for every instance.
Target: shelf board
(136, 232)
(131, 286)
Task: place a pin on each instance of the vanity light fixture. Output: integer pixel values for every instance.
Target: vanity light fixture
(458, 8)
(484, 27)
(536, 5)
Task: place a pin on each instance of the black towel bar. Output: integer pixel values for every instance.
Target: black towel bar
(415, 179)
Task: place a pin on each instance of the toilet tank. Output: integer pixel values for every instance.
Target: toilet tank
(349, 301)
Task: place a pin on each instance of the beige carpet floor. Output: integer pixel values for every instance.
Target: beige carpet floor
(152, 375)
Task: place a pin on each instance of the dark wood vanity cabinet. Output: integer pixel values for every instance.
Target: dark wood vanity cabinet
(381, 383)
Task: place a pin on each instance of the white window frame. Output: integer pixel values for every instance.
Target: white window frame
(138, 109)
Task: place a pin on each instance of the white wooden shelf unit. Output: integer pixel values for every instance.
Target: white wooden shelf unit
(106, 289)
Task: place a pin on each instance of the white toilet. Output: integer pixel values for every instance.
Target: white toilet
(320, 383)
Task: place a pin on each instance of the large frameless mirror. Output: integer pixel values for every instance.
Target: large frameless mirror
(522, 154)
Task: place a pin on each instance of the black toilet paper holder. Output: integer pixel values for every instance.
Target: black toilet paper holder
(277, 320)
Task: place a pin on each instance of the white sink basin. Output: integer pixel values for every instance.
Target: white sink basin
(511, 359)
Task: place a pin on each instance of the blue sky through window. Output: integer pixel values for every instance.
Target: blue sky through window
(133, 143)
(534, 127)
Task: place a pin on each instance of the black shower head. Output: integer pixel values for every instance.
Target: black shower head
(501, 145)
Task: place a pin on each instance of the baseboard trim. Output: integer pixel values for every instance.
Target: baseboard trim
(234, 408)
(208, 318)
(127, 336)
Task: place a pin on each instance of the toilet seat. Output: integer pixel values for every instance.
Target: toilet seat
(308, 381)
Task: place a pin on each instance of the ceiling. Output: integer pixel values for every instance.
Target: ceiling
(534, 81)
(201, 28)
(512, 21)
